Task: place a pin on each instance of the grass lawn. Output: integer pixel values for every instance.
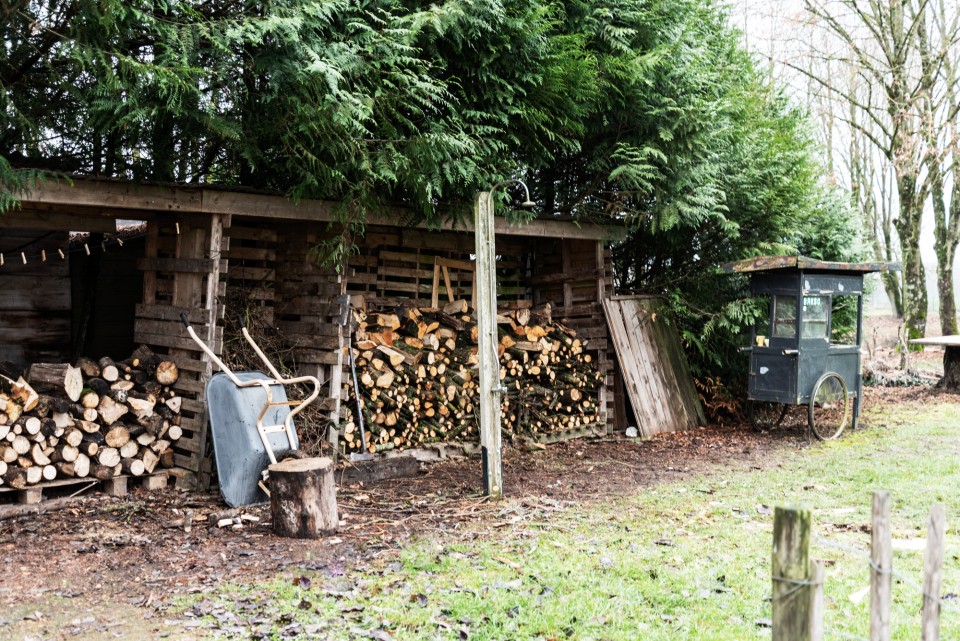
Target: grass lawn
(686, 559)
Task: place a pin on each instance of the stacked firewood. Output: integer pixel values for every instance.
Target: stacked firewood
(417, 372)
(95, 419)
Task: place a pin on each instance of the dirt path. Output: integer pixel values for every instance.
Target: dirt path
(108, 568)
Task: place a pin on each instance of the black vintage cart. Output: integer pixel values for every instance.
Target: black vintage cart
(797, 356)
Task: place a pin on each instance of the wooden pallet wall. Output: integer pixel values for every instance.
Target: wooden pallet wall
(274, 273)
(182, 268)
(574, 276)
(251, 276)
(35, 297)
(396, 266)
(308, 309)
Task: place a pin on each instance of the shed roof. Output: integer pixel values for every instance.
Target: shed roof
(771, 263)
(97, 198)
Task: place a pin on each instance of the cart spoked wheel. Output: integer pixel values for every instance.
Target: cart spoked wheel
(830, 407)
(765, 415)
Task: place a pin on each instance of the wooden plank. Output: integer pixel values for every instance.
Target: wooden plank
(582, 275)
(308, 307)
(34, 293)
(258, 274)
(259, 294)
(315, 342)
(406, 257)
(187, 444)
(638, 357)
(175, 342)
(446, 282)
(171, 313)
(251, 253)
(309, 328)
(178, 265)
(405, 272)
(191, 424)
(379, 470)
(187, 363)
(197, 387)
(30, 218)
(186, 462)
(29, 327)
(314, 357)
(192, 405)
(115, 194)
(252, 233)
(435, 291)
(463, 265)
(174, 328)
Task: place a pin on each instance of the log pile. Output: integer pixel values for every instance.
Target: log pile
(417, 375)
(97, 419)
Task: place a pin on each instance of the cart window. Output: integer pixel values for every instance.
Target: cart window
(784, 316)
(815, 317)
(843, 329)
(761, 325)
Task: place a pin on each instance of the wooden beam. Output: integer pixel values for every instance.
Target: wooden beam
(56, 221)
(113, 194)
(131, 197)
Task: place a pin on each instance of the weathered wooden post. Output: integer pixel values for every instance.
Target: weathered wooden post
(303, 498)
(817, 578)
(933, 574)
(791, 574)
(485, 283)
(881, 568)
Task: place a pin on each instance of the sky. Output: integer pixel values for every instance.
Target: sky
(770, 29)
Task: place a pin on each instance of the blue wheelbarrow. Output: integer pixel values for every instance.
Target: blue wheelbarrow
(251, 422)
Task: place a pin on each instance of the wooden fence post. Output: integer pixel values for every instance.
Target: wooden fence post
(817, 578)
(881, 568)
(933, 574)
(791, 574)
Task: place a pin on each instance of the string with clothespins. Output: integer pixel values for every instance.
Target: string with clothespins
(28, 257)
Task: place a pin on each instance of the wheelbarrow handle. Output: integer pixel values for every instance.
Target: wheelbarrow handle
(183, 319)
(242, 321)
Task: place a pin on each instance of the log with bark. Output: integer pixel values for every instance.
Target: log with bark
(56, 378)
(97, 418)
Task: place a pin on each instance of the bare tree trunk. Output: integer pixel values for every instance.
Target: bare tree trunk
(914, 275)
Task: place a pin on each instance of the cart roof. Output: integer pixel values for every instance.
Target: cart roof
(771, 263)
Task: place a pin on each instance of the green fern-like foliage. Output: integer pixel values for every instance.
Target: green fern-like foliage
(644, 112)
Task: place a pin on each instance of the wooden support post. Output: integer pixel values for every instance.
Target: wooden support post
(881, 568)
(933, 575)
(303, 498)
(485, 285)
(791, 574)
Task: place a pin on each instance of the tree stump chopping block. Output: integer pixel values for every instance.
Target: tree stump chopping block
(303, 498)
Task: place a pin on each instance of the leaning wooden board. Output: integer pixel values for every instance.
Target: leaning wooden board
(654, 369)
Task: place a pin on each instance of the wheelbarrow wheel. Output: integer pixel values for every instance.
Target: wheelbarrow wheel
(764, 415)
(829, 407)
